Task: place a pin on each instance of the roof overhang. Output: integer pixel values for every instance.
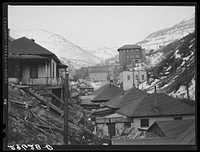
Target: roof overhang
(23, 56)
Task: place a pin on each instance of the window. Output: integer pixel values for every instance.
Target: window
(178, 118)
(142, 77)
(34, 71)
(127, 124)
(13, 69)
(136, 76)
(136, 61)
(144, 122)
(128, 77)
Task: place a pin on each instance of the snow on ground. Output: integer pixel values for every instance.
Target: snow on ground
(148, 87)
(168, 68)
(156, 58)
(182, 91)
(177, 56)
(192, 90)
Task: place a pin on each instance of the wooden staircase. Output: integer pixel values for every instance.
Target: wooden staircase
(46, 97)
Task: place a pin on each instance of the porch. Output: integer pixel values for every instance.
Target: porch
(34, 70)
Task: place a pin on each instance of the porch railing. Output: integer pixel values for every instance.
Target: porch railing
(46, 81)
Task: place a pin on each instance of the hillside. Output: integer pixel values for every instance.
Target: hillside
(169, 73)
(65, 50)
(165, 36)
(102, 52)
(30, 122)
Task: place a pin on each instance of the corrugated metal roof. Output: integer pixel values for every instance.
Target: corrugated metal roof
(26, 46)
(172, 128)
(130, 46)
(143, 106)
(108, 92)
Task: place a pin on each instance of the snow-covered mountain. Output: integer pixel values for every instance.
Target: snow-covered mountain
(66, 51)
(102, 51)
(165, 36)
(169, 73)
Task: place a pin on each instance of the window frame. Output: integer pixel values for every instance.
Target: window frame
(34, 68)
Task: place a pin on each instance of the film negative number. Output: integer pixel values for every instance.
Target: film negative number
(12, 147)
(49, 147)
(37, 146)
(29, 147)
(24, 146)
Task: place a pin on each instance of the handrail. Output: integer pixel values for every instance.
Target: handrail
(49, 80)
(43, 88)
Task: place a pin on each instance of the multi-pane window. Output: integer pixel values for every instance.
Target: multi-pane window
(34, 71)
(136, 61)
(128, 77)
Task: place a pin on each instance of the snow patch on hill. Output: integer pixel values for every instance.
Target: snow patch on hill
(58, 45)
(102, 51)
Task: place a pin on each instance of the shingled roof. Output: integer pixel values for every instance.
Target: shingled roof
(128, 97)
(144, 106)
(25, 46)
(171, 128)
(106, 93)
(130, 46)
(187, 137)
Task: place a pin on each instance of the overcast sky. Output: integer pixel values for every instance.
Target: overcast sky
(98, 25)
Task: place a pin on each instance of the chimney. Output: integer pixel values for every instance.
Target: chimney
(155, 104)
(33, 40)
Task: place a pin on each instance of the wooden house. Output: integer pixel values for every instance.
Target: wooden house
(173, 132)
(85, 88)
(142, 110)
(30, 63)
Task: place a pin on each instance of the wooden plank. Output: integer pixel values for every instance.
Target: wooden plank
(46, 102)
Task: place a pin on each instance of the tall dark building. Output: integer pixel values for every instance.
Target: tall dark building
(130, 54)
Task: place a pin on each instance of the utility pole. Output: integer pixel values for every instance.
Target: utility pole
(66, 94)
(188, 96)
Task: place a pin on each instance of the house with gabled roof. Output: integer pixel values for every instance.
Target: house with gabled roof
(172, 132)
(106, 93)
(28, 62)
(143, 109)
(85, 87)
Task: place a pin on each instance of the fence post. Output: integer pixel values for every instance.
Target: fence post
(66, 94)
